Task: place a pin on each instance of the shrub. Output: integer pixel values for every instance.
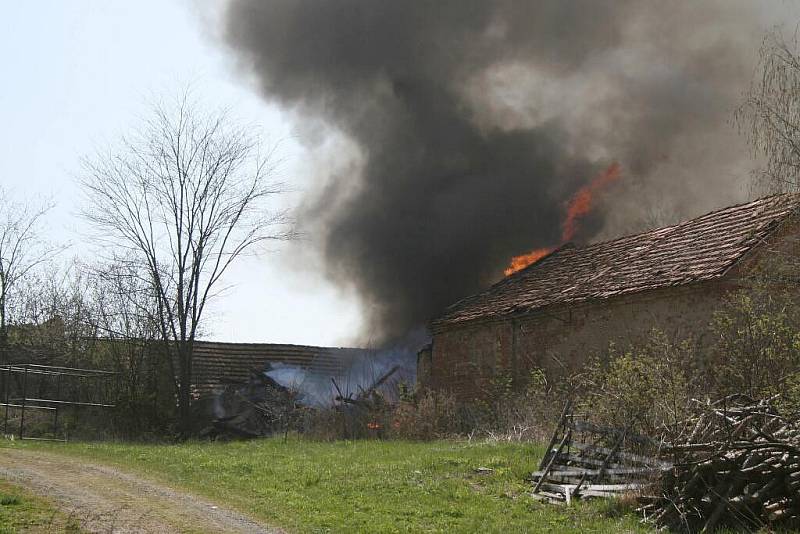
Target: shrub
(757, 345)
(754, 350)
(650, 385)
(427, 415)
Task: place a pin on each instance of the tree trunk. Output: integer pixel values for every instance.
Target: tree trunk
(185, 349)
(3, 331)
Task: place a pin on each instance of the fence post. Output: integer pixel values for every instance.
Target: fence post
(58, 397)
(6, 388)
(24, 397)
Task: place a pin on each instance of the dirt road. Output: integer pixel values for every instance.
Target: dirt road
(105, 499)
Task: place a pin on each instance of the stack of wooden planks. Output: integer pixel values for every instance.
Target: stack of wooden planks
(585, 460)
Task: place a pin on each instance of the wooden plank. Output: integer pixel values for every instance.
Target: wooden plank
(614, 487)
(576, 459)
(607, 460)
(572, 472)
(623, 454)
(553, 457)
(603, 494)
(597, 487)
(554, 437)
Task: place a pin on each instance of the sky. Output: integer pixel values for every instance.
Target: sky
(77, 74)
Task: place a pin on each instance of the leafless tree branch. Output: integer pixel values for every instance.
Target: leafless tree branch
(22, 249)
(770, 114)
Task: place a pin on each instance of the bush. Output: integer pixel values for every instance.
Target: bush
(650, 384)
(757, 345)
(427, 415)
(754, 350)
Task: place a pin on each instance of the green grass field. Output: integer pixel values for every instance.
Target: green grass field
(20, 511)
(362, 486)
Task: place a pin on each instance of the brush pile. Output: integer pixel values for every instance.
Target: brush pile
(738, 467)
(260, 407)
(365, 413)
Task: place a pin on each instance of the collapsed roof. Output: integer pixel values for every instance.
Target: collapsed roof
(218, 364)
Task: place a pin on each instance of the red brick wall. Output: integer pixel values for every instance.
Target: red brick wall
(465, 359)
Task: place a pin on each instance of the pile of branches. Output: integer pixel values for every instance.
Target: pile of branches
(258, 408)
(738, 467)
(364, 414)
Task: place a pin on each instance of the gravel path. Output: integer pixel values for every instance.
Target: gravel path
(105, 499)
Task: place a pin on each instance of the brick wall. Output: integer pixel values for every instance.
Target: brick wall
(465, 359)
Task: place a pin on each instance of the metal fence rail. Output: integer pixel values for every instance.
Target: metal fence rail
(50, 388)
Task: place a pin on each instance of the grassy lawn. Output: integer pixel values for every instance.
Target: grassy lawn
(21, 511)
(363, 486)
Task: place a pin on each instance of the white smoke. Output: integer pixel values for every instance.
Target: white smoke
(361, 371)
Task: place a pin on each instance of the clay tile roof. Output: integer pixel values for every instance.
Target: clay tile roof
(218, 364)
(696, 250)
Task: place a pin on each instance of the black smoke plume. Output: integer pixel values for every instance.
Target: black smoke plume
(476, 120)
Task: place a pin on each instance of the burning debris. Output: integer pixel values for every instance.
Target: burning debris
(366, 409)
(283, 398)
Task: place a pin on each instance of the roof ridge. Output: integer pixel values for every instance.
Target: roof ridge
(276, 345)
(669, 227)
(701, 216)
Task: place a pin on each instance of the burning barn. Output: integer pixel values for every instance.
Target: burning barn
(574, 301)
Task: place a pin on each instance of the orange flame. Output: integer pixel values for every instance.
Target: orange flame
(373, 425)
(578, 206)
(581, 202)
(520, 262)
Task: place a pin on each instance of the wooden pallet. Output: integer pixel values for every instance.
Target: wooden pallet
(585, 460)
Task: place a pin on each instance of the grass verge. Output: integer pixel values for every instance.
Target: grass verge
(21, 511)
(362, 486)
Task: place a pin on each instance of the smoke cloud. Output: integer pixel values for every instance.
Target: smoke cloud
(473, 122)
(362, 371)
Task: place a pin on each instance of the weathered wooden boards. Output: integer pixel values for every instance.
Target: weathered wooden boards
(579, 463)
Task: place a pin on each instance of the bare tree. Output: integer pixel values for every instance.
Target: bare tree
(770, 114)
(123, 315)
(185, 196)
(22, 248)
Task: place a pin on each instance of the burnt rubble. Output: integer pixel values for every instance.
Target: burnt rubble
(263, 407)
(258, 408)
(365, 413)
